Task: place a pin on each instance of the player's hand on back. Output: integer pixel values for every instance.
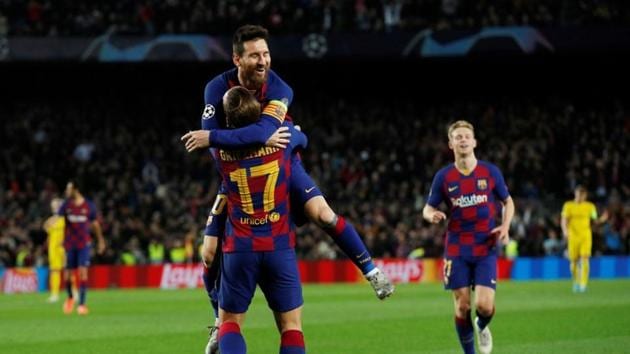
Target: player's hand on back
(196, 139)
(280, 138)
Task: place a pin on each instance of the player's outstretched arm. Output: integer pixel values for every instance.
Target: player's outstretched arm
(200, 139)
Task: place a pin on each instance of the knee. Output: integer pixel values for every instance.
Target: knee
(485, 308)
(319, 212)
(326, 216)
(462, 306)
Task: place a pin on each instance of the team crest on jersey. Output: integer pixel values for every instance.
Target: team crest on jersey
(482, 184)
(208, 111)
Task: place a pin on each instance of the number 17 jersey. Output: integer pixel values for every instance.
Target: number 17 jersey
(257, 184)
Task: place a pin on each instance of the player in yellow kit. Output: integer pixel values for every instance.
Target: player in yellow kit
(576, 227)
(54, 227)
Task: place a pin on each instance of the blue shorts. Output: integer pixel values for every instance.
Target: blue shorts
(462, 272)
(302, 189)
(276, 273)
(77, 257)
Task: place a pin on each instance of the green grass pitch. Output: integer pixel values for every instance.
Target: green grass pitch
(532, 317)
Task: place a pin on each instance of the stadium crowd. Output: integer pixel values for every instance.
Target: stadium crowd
(148, 190)
(149, 17)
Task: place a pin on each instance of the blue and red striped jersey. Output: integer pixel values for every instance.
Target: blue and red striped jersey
(257, 183)
(78, 218)
(473, 202)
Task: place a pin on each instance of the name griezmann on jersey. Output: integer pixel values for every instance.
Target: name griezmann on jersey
(236, 155)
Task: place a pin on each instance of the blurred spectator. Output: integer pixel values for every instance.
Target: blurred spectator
(149, 17)
(151, 193)
(177, 253)
(553, 245)
(156, 251)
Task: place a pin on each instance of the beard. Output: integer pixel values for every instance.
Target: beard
(253, 80)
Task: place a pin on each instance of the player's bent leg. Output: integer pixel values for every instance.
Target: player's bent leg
(291, 337)
(484, 300)
(304, 192)
(484, 304)
(463, 322)
(231, 340)
(347, 238)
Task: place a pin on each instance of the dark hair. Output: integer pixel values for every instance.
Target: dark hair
(78, 184)
(247, 33)
(241, 107)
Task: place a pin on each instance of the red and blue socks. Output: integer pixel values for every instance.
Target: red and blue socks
(465, 333)
(347, 238)
(230, 339)
(292, 342)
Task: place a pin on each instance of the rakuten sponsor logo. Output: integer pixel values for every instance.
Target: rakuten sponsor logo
(465, 201)
(20, 281)
(77, 218)
(177, 276)
(401, 271)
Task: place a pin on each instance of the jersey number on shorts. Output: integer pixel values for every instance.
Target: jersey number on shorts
(448, 264)
(219, 204)
(239, 176)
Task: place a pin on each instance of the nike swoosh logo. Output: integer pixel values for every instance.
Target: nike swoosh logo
(450, 189)
(308, 190)
(493, 281)
(361, 255)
